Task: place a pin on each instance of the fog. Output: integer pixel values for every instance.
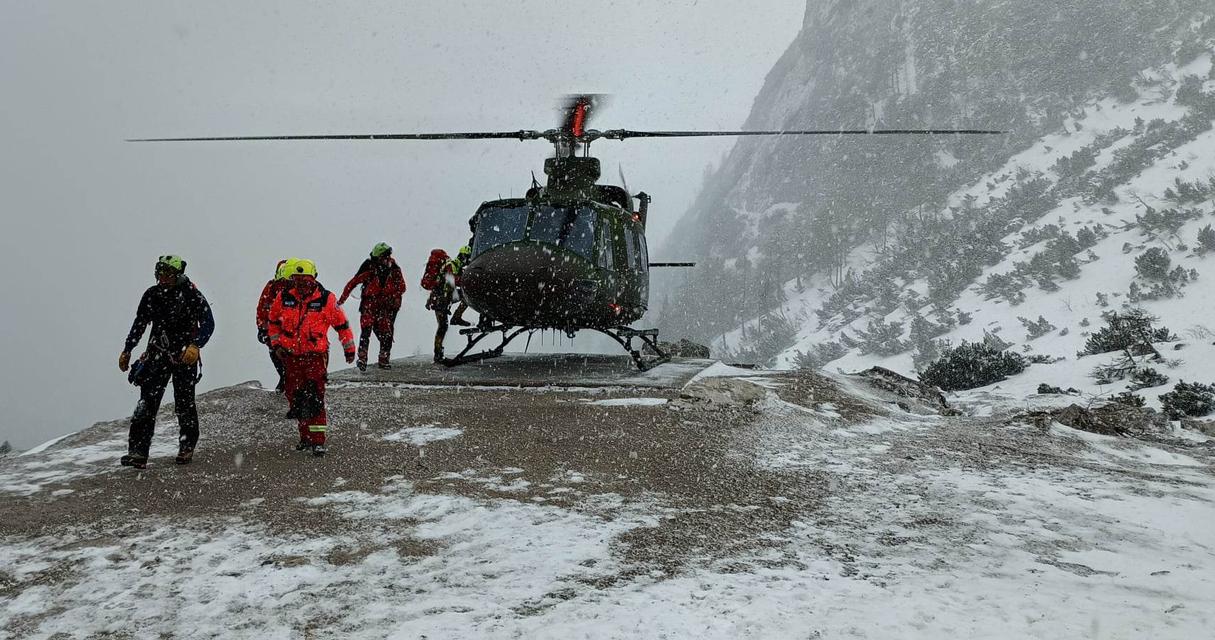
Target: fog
(85, 214)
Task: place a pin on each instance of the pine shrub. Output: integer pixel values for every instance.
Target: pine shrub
(1131, 330)
(818, 355)
(1153, 264)
(1129, 398)
(1036, 329)
(972, 365)
(1206, 239)
(1188, 399)
(1145, 377)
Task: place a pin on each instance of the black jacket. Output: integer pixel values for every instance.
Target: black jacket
(179, 315)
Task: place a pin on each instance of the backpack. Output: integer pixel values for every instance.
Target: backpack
(432, 276)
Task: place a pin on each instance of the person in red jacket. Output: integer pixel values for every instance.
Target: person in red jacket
(383, 285)
(269, 293)
(299, 322)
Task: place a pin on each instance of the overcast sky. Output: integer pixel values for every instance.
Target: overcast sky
(84, 215)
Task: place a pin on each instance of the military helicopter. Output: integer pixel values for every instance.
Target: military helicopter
(570, 255)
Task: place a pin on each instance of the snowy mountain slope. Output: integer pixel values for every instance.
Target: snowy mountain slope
(1105, 271)
(787, 504)
(1027, 67)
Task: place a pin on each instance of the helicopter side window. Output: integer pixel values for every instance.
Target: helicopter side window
(497, 227)
(643, 254)
(606, 255)
(630, 247)
(567, 227)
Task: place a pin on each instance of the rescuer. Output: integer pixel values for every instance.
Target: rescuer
(455, 267)
(299, 323)
(269, 293)
(380, 300)
(181, 324)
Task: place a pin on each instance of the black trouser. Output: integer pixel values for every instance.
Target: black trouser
(143, 423)
(440, 303)
(441, 329)
(279, 367)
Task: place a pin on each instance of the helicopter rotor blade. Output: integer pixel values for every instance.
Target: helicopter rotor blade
(622, 134)
(470, 135)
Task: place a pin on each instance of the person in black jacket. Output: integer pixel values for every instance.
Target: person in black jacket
(181, 325)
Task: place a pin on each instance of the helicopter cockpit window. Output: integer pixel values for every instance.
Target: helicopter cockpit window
(497, 227)
(567, 227)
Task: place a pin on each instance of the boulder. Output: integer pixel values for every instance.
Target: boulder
(1205, 427)
(1113, 419)
(683, 349)
(884, 379)
(723, 391)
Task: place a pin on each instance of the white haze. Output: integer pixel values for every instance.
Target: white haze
(84, 214)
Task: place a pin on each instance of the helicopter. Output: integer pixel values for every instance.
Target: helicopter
(570, 255)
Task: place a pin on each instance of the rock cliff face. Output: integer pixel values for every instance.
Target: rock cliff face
(780, 209)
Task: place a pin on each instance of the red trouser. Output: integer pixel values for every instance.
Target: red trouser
(305, 390)
(381, 322)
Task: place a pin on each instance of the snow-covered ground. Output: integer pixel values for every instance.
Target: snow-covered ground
(856, 519)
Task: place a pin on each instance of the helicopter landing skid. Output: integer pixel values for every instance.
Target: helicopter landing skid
(622, 335)
(649, 337)
(475, 335)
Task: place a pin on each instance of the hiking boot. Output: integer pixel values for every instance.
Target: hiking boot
(384, 365)
(303, 444)
(318, 450)
(184, 456)
(361, 364)
(134, 460)
(438, 357)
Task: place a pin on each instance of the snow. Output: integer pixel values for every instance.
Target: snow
(918, 526)
(629, 402)
(46, 445)
(419, 436)
(1075, 300)
(722, 370)
(48, 465)
(923, 527)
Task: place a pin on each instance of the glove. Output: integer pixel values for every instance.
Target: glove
(124, 361)
(349, 357)
(189, 357)
(263, 336)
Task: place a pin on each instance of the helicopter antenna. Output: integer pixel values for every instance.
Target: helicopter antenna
(535, 185)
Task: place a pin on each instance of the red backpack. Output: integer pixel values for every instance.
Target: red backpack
(432, 276)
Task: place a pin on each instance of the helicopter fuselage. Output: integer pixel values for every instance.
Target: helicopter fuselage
(557, 264)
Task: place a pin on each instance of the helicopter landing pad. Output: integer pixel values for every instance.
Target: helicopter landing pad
(531, 370)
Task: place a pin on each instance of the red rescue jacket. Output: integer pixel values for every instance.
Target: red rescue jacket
(382, 290)
(302, 326)
(269, 293)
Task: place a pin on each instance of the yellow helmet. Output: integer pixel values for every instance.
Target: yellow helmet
(302, 267)
(283, 271)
